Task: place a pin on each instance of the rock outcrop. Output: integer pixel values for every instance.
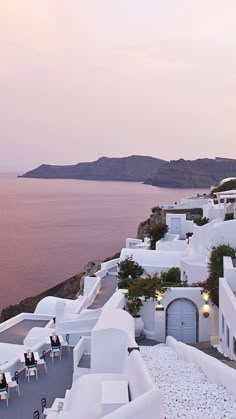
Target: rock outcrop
(66, 289)
(200, 173)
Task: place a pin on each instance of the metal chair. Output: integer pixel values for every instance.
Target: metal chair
(14, 383)
(42, 361)
(45, 410)
(36, 414)
(4, 393)
(55, 350)
(31, 370)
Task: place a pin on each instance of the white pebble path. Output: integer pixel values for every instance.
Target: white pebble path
(186, 391)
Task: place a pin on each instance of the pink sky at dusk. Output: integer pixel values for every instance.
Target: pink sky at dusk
(83, 79)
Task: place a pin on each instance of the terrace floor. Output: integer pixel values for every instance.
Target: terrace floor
(50, 385)
(59, 377)
(109, 284)
(17, 333)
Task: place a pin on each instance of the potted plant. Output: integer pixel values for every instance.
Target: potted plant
(134, 305)
(140, 289)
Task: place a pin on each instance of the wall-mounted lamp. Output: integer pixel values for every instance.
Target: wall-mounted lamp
(159, 297)
(205, 296)
(206, 310)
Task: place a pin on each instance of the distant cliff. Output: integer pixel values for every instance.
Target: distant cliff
(200, 173)
(132, 168)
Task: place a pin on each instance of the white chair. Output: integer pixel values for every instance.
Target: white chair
(14, 383)
(31, 370)
(4, 395)
(66, 343)
(42, 361)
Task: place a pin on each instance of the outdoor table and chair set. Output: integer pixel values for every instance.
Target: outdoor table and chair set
(32, 361)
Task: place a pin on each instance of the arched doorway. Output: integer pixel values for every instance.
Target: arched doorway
(181, 317)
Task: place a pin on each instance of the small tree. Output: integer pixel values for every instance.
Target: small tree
(147, 287)
(157, 233)
(171, 277)
(215, 267)
(129, 268)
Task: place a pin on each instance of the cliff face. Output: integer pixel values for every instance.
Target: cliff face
(66, 289)
(200, 173)
(132, 168)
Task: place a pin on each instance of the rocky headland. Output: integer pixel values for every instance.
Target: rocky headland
(132, 169)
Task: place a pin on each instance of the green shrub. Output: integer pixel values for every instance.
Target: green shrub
(229, 216)
(201, 221)
(215, 267)
(129, 268)
(172, 276)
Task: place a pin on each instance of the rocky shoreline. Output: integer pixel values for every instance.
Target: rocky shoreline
(68, 288)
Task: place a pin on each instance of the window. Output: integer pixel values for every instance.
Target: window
(234, 345)
(227, 336)
(223, 324)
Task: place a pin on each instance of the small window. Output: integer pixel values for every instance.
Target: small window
(223, 324)
(234, 345)
(227, 336)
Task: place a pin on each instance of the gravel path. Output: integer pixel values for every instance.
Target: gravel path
(186, 391)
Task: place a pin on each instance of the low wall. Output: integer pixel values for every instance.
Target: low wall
(215, 370)
(227, 307)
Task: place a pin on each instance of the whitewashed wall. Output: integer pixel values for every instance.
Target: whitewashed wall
(155, 321)
(227, 309)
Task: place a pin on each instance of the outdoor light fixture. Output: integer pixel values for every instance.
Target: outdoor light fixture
(206, 310)
(205, 297)
(159, 307)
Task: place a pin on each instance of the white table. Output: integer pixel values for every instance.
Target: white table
(52, 412)
(114, 395)
(8, 377)
(22, 356)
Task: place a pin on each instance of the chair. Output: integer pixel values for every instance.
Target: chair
(55, 350)
(31, 370)
(67, 342)
(4, 393)
(36, 414)
(42, 361)
(45, 410)
(14, 383)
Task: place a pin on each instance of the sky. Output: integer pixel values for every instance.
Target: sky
(85, 79)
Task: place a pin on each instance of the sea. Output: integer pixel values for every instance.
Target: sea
(49, 229)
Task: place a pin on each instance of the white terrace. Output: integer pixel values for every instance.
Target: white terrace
(105, 375)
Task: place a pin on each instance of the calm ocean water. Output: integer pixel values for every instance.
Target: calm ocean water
(51, 228)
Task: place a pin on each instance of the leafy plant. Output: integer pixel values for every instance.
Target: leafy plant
(229, 216)
(134, 305)
(201, 221)
(147, 287)
(215, 267)
(129, 268)
(172, 277)
(157, 233)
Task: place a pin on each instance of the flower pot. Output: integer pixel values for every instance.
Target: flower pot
(139, 326)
